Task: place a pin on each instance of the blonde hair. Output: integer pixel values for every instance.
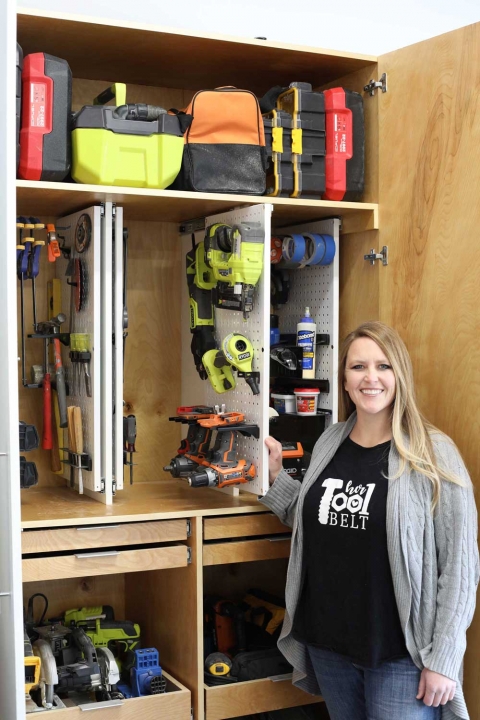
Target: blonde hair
(417, 453)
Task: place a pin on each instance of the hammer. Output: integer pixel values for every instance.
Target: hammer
(48, 327)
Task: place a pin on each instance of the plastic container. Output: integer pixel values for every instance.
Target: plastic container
(274, 330)
(307, 400)
(306, 337)
(283, 403)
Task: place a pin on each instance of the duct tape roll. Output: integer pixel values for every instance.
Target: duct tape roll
(293, 251)
(316, 249)
(329, 251)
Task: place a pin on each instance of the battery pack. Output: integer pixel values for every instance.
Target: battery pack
(345, 157)
(45, 147)
(18, 105)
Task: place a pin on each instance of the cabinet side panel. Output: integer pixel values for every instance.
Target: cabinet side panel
(430, 214)
(12, 677)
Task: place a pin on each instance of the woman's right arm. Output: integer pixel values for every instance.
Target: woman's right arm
(283, 494)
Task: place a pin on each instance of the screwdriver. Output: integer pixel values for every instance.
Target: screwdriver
(34, 264)
(129, 437)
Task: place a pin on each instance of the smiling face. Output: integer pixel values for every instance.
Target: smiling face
(369, 378)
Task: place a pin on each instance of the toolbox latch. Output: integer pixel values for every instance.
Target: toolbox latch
(377, 85)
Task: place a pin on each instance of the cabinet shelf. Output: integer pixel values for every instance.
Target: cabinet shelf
(56, 199)
(100, 49)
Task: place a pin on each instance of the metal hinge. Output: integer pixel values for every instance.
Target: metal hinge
(191, 713)
(189, 528)
(373, 256)
(102, 210)
(102, 485)
(114, 209)
(190, 226)
(114, 486)
(189, 555)
(376, 85)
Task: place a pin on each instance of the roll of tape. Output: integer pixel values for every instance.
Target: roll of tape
(293, 251)
(316, 248)
(329, 251)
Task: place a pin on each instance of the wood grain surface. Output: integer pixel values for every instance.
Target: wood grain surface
(152, 55)
(430, 291)
(228, 701)
(68, 593)
(125, 561)
(96, 536)
(169, 607)
(242, 526)
(223, 553)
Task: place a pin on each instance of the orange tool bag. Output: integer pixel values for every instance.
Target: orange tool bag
(224, 148)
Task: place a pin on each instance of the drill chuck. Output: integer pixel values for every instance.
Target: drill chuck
(181, 466)
(203, 478)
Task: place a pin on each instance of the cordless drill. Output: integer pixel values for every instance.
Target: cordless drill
(192, 450)
(223, 468)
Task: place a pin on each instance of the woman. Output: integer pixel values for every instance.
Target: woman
(384, 560)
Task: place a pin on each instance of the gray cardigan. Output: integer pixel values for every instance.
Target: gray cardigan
(434, 560)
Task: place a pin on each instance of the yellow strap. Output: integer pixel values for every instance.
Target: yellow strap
(277, 139)
(297, 141)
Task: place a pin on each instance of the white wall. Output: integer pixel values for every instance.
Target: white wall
(372, 26)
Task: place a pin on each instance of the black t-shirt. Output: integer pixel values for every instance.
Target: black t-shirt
(347, 603)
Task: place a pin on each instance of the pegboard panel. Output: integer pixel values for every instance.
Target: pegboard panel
(257, 330)
(87, 320)
(317, 287)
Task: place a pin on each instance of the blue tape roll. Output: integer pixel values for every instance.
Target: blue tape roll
(329, 250)
(316, 248)
(294, 247)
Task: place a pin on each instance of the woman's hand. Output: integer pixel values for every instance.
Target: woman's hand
(274, 458)
(435, 689)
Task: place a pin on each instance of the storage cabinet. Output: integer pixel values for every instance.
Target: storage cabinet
(422, 170)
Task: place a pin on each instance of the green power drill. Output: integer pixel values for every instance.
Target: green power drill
(103, 630)
(235, 256)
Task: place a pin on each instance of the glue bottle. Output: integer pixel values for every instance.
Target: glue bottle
(306, 337)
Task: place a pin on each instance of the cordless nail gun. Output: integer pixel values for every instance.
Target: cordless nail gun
(235, 255)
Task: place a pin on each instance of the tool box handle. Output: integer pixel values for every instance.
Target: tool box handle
(117, 92)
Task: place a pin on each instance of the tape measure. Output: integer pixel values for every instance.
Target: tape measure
(218, 664)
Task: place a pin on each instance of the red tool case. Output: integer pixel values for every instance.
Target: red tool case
(345, 141)
(45, 145)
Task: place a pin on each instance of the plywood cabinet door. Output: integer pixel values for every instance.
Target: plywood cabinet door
(12, 678)
(429, 181)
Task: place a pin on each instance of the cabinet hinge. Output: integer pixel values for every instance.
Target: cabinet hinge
(189, 528)
(102, 210)
(189, 555)
(114, 486)
(373, 256)
(376, 85)
(190, 226)
(114, 209)
(102, 485)
(191, 713)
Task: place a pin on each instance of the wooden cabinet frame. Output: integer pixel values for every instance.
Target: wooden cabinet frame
(422, 170)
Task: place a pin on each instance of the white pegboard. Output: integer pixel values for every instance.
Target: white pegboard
(317, 287)
(88, 320)
(257, 330)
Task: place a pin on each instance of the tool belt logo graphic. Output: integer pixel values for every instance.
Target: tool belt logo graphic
(347, 509)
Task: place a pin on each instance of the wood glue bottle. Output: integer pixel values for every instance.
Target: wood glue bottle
(306, 337)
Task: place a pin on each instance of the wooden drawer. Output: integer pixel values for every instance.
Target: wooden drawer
(86, 564)
(256, 696)
(95, 536)
(222, 553)
(175, 703)
(242, 526)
